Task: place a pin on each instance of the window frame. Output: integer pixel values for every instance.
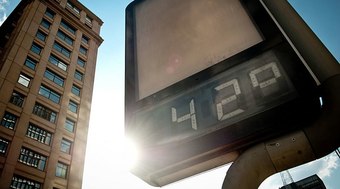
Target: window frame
(88, 20)
(24, 80)
(73, 106)
(32, 159)
(68, 27)
(9, 120)
(17, 99)
(76, 90)
(44, 112)
(23, 182)
(85, 39)
(3, 146)
(49, 94)
(65, 146)
(55, 78)
(63, 36)
(41, 35)
(81, 62)
(35, 48)
(69, 125)
(74, 8)
(61, 170)
(78, 75)
(61, 49)
(83, 50)
(45, 24)
(30, 63)
(57, 62)
(49, 13)
(37, 133)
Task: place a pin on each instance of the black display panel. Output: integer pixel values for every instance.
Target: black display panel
(244, 90)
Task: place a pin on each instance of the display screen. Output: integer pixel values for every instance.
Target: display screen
(240, 92)
(178, 38)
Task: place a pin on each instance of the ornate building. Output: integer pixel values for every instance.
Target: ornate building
(48, 51)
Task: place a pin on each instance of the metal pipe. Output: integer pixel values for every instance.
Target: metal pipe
(323, 135)
(313, 52)
(243, 166)
(322, 64)
(265, 159)
(318, 140)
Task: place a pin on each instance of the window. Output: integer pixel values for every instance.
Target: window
(32, 159)
(62, 49)
(83, 50)
(65, 146)
(36, 133)
(88, 20)
(54, 77)
(9, 120)
(50, 94)
(64, 37)
(56, 61)
(49, 13)
(17, 99)
(40, 35)
(78, 75)
(24, 80)
(73, 8)
(21, 182)
(75, 90)
(73, 107)
(30, 63)
(81, 63)
(36, 49)
(45, 24)
(85, 39)
(44, 113)
(3, 146)
(61, 170)
(69, 125)
(68, 27)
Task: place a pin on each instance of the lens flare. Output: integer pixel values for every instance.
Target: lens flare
(130, 153)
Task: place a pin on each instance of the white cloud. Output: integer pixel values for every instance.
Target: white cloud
(3, 10)
(323, 167)
(3, 18)
(272, 182)
(3, 4)
(329, 164)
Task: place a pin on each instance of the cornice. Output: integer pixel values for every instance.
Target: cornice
(73, 20)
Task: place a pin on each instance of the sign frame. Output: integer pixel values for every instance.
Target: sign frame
(189, 154)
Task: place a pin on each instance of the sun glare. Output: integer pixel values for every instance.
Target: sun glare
(130, 153)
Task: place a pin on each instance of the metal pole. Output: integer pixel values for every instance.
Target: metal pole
(337, 151)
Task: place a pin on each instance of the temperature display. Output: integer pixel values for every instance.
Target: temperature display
(236, 94)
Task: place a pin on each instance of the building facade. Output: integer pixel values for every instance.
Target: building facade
(48, 51)
(312, 182)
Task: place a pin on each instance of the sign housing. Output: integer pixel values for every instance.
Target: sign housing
(205, 79)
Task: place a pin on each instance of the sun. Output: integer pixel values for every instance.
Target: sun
(130, 153)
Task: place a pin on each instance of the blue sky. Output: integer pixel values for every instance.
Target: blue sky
(323, 17)
(104, 162)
